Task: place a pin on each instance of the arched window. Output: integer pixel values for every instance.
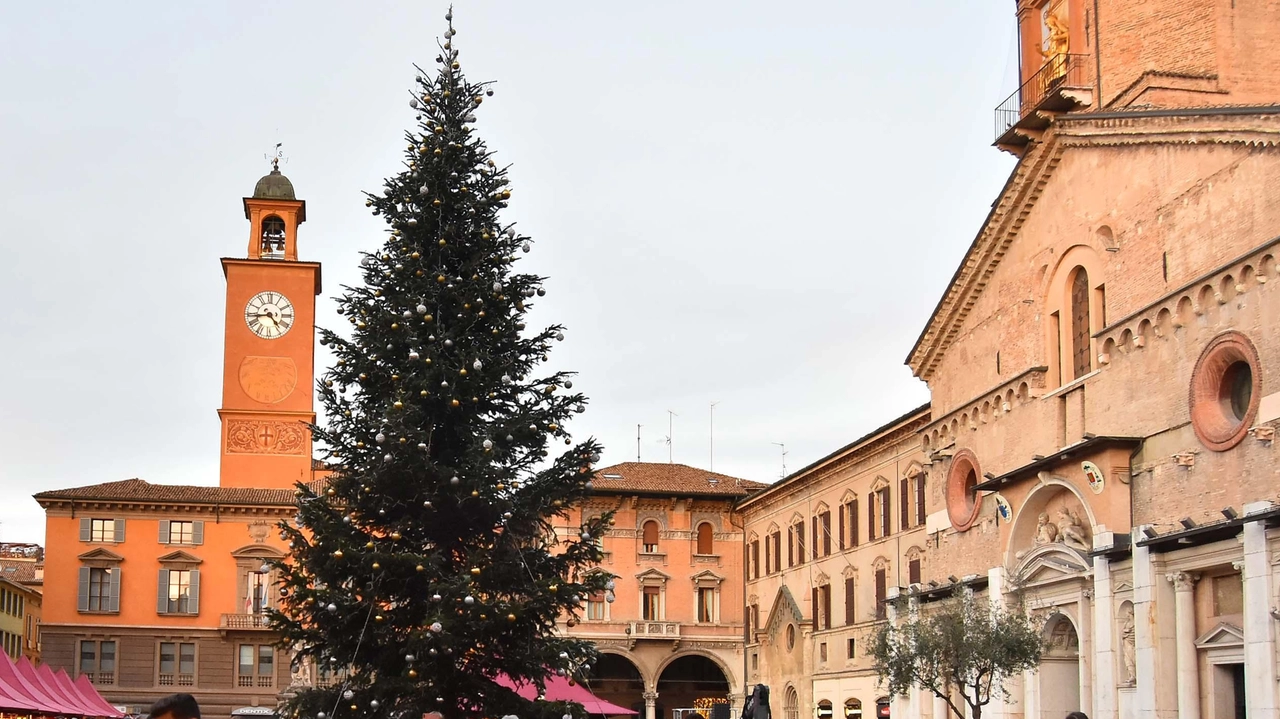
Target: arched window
(791, 705)
(649, 537)
(273, 237)
(1080, 347)
(705, 538)
(852, 709)
(825, 709)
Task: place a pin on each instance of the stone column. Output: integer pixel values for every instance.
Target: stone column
(650, 705)
(1259, 635)
(1184, 608)
(998, 708)
(1031, 695)
(1104, 656)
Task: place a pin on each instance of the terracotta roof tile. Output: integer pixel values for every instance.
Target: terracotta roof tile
(677, 479)
(137, 490)
(15, 571)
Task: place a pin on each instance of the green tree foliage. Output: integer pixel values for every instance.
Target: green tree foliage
(962, 649)
(430, 565)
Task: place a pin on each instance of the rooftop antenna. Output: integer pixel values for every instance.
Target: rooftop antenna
(713, 437)
(670, 434)
(637, 443)
(275, 156)
(784, 459)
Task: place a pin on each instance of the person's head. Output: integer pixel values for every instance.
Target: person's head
(176, 706)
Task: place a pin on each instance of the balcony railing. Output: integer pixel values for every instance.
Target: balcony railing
(1042, 91)
(655, 630)
(245, 621)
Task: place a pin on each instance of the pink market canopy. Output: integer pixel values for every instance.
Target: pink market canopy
(559, 689)
(27, 689)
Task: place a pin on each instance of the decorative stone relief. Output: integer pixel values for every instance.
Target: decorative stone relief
(252, 436)
(1128, 645)
(268, 379)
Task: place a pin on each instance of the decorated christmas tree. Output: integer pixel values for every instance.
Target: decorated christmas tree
(427, 572)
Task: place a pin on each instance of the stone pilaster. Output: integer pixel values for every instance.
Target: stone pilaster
(1105, 705)
(1184, 585)
(650, 705)
(1259, 630)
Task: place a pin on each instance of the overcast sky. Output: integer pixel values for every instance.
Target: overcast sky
(752, 203)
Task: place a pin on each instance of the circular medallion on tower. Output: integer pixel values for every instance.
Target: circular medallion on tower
(268, 379)
(1226, 388)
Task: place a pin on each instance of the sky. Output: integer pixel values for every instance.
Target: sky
(749, 203)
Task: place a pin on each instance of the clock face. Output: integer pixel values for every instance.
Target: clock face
(269, 315)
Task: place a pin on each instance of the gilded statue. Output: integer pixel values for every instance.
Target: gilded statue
(1059, 40)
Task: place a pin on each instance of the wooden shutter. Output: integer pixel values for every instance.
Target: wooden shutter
(826, 533)
(164, 531)
(755, 558)
(650, 533)
(162, 593)
(1080, 324)
(849, 596)
(913, 571)
(82, 598)
(777, 550)
(197, 532)
(705, 538)
(840, 523)
(880, 593)
(119, 530)
(826, 606)
(799, 529)
(816, 625)
(194, 605)
(746, 627)
(791, 546)
(113, 589)
(853, 522)
(920, 513)
(885, 529)
(816, 534)
(86, 530)
(768, 554)
(871, 517)
(904, 489)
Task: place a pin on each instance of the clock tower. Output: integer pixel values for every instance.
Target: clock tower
(269, 349)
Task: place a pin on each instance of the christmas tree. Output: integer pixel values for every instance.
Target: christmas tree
(427, 569)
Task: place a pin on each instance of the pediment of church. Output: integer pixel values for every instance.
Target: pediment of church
(1051, 563)
(1222, 636)
(784, 610)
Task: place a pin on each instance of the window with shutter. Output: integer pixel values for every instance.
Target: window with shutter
(840, 522)
(791, 547)
(799, 532)
(920, 514)
(649, 537)
(904, 504)
(853, 522)
(817, 622)
(164, 531)
(885, 529)
(913, 571)
(826, 533)
(816, 536)
(871, 517)
(705, 539)
(768, 555)
(826, 606)
(849, 596)
(777, 550)
(881, 593)
(755, 558)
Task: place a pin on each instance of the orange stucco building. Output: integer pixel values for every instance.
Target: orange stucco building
(157, 587)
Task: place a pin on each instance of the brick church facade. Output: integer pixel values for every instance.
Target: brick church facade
(1104, 371)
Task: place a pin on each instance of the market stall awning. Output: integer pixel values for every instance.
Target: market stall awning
(27, 689)
(560, 689)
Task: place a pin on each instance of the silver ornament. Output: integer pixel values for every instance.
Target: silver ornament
(427, 504)
(510, 438)
(409, 658)
(332, 607)
(610, 585)
(477, 366)
(525, 247)
(406, 314)
(542, 292)
(448, 343)
(422, 309)
(413, 355)
(380, 438)
(437, 627)
(497, 286)
(488, 444)
(422, 446)
(533, 428)
(454, 481)
(435, 597)
(468, 600)
(373, 704)
(348, 694)
(423, 190)
(568, 384)
(413, 102)
(609, 598)
(506, 379)
(560, 336)
(386, 458)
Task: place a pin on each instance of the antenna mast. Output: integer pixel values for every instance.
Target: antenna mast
(713, 437)
(784, 459)
(670, 435)
(637, 443)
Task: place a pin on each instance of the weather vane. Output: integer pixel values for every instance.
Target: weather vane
(275, 156)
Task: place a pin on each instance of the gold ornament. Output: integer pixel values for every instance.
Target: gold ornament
(360, 445)
(506, 194)
(403, 440)
(376, 566)
(412, 673)
(511, 617)
(423, 393)
(482, 313)
(475, 493)
(369, 545)
(419, 273)
(466, 305)
(553, 588)
(436, 202)
(395, 325)
(420, 568)
(455, 403)
(557, 503)
(415, 255)
(500, 487)
(454, 65)
(376, 618)
(442, 242)
(475, 571)
(398, 404)
(438, 152)
(463, 371)
(330, 491)
(448, 93)
(337, 554)
(475, 400)
(376, 293)
(395, 377)
(395, 536)
(440, 278)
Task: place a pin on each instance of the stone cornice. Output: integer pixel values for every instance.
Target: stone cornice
(79, 507)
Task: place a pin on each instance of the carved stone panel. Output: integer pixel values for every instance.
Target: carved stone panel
(252, 436)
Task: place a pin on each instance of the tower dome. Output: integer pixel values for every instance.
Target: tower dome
(274, 187)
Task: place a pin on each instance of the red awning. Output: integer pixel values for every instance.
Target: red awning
(24, 688)
(559, 689)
